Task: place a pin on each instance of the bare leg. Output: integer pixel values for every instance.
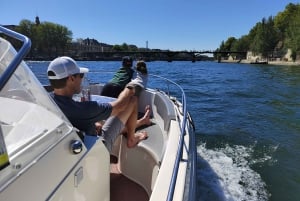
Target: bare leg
(129, 118)
(145, 120)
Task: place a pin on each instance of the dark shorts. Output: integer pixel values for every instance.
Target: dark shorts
(111, 90)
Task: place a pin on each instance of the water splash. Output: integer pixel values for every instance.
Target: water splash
(224, 174)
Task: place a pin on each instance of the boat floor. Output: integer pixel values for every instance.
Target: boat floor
(122, 188)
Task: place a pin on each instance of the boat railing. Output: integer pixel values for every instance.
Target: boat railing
(192, 151)
(178, 93)
(19, 56)
(192, 186)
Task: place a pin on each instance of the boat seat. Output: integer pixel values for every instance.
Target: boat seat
(165, 109)
(141, 163)
(154, 144)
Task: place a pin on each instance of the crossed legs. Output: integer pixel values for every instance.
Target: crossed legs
(129, 119)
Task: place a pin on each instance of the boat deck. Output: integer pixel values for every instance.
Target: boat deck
(122, 188)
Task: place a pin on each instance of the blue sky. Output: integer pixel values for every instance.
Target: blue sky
(165, 24)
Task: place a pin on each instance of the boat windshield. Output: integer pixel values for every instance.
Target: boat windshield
(27, 111)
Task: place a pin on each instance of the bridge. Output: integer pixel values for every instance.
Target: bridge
(164, 55)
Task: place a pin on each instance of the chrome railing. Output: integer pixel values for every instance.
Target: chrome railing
(192, 155)
(19, 56)
(185, 122)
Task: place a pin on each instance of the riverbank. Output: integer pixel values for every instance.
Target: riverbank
(281, 63)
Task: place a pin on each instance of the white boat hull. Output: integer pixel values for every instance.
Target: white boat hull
(47, 160)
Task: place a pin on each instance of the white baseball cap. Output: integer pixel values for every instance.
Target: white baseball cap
(63, 67)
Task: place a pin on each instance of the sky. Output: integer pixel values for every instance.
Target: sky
(176, 25)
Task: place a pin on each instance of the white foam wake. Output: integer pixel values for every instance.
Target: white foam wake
(224, 175)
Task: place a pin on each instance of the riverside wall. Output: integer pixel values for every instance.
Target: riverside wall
(282, 63)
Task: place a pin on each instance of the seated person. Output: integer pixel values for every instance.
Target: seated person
(141, 78)
(122, 77)
(65, 77)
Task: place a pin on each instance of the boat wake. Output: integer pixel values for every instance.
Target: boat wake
(224, 174)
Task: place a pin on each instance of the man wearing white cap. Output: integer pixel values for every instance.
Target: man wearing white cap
(65, 77)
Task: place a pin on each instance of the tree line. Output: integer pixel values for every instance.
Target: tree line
(47, 38)
(271, 37)
(51, 40)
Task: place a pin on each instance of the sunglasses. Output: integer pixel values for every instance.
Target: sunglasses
(81, 75)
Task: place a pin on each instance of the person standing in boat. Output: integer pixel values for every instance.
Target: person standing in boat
(122, 77)
(66, 77)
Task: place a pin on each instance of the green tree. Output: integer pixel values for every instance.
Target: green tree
(228, 45)
(265, 37)
(54, 38)
(27, 28)
(63, 37)
(241, 44)
(283, 19)
(133, 48)
(117, 48)
(46, 37)
(125, 47)
(293, 35)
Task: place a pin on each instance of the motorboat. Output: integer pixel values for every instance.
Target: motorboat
(42, 157)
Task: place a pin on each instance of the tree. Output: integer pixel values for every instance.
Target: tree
(46, 37)
(293, 35)
(229, 44)
(265, 37)
(125, 47)
(27, 28)
(282, 19)
(241, 44)
(63, 37)
(117, 48)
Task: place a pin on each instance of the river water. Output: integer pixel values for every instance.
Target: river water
(247, 121)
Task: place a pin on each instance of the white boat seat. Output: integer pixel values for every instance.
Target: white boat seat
(154, 144)
(165, 109)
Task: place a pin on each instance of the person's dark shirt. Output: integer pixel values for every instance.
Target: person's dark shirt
(83, 115)
(123, 76)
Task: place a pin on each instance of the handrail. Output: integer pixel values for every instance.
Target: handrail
(19, 56)
(192, 151)
(25, 49)
(192, 187)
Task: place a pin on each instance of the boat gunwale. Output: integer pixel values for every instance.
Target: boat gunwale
(186, 123)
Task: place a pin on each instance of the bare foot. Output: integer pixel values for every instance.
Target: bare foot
(98, 126)
(143, 135)
(146, 118)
